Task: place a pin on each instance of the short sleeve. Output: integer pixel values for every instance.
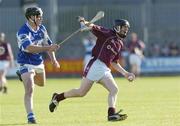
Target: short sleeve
(23, 40)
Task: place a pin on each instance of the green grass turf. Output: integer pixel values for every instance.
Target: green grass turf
(149, 101)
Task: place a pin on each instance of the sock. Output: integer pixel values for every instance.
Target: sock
(60, 97)
(5, 89)
(111, 111)
(31, 116)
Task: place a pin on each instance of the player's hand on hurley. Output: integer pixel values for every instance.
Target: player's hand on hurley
(54, 47)
(56, 64)
(80, 19)
(84, 24)
(130, 76)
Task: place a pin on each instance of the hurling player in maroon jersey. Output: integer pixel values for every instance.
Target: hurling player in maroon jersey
(105, 53)
(6, 61)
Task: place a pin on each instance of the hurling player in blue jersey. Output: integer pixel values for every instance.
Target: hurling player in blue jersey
(33, 41)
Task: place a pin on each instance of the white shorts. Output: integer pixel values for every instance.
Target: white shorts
(32, 68)
(135, 59)
(4, 64)
(98, 70)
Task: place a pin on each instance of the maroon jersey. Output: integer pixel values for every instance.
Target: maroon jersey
(4, 54)
(108, 45)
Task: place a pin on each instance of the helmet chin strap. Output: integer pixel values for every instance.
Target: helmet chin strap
(34, 21)
(118, 32)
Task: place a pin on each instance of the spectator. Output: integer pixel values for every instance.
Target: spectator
(165, 51)
(155, 50)
(173, 49)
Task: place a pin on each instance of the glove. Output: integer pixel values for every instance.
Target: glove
(83, 26)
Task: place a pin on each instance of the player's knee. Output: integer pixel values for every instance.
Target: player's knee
(40, 83)
(29, 92)
(114, 90)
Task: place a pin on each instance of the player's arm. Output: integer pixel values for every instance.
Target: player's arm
(39, 49)
(11, 57)
(98, 31)
(53, 59)
(139, 52)
(26, 45)
(126, 74)
(48, 41)
(85, 25)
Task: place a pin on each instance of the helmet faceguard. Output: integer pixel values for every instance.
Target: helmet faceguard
(118, 24)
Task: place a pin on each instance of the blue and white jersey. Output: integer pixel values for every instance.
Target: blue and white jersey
(27, 36)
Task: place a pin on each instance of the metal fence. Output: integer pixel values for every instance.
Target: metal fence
(152, 22)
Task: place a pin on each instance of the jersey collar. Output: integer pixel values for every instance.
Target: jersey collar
(27, 24)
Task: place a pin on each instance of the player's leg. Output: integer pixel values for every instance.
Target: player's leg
(134, 68)
(85, 86)
(40, 78)
(28, 81)
(138, 66)
(109, 83)
(135, 64)
(19, 75)
(3, 70)
(138, 71)
(3, 81)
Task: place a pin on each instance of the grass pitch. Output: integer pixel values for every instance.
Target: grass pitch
(148, 101)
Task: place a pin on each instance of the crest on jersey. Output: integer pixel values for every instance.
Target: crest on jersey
(23, 37)
(41, 35)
